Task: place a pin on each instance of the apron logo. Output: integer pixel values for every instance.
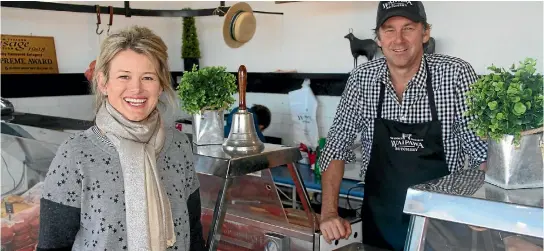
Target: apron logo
(395, 4)
(406, 143)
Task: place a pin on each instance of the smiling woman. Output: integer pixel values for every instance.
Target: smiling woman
(133, 87)
(129, 181)
(135, 69)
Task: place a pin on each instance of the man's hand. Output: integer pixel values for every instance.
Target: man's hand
(333, 227)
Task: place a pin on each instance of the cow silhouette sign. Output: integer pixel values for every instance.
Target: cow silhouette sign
(364, 47)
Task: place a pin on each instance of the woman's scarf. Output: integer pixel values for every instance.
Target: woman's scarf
(149, 217)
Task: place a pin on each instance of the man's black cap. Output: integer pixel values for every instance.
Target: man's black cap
(412, 10)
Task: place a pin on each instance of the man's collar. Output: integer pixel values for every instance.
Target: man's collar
(418, 79)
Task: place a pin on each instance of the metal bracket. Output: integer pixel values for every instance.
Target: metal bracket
(127, 9)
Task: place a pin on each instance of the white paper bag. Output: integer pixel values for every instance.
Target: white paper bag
(303, 105)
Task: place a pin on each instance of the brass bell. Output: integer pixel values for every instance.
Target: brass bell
(243, 139)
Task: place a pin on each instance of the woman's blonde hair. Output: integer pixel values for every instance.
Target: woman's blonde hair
(140, 40)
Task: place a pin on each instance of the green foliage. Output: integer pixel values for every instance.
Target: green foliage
(507, 102)
(190, 47)
(210, 88)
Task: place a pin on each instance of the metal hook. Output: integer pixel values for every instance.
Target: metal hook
(218, 11)
(98, 20)
(111, 18)
(98, 33)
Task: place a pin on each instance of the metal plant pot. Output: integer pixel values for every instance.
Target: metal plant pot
(208, 128)
(515, 167)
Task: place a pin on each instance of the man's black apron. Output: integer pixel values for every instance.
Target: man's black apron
(402, 155)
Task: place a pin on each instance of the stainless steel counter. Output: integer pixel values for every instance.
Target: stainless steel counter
(464, 197)
(212, 160)
(359, 247)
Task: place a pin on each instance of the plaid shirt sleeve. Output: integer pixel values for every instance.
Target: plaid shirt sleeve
(472, 145)
(346, 124)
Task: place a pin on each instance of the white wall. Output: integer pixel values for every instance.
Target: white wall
(308, 38)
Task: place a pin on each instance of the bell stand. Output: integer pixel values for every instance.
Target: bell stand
(212, 160)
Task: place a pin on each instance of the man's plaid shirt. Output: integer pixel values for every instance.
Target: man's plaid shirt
(356, 111)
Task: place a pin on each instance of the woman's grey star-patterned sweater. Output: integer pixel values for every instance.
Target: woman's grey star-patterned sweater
(83, 208)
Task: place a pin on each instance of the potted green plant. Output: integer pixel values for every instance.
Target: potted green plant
(206, 94)
(190, 50)
(507, 106)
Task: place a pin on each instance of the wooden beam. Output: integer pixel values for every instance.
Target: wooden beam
(40, 85)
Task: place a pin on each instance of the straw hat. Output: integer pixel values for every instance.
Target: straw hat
(239, 25)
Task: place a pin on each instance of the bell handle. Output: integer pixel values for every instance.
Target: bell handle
(242, 84)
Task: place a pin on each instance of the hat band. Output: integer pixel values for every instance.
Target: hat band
(232, 22)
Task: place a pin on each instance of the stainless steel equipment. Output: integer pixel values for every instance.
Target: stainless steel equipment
(242, 196)
(242, 138)
(514, 167)
(29, 144)
(7, 107)
(463, 198)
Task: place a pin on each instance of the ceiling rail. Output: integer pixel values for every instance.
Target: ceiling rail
(126, 11)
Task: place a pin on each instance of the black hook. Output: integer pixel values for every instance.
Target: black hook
(98, 20)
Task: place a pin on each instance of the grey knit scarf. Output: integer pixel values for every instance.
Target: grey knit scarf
(148, 212)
